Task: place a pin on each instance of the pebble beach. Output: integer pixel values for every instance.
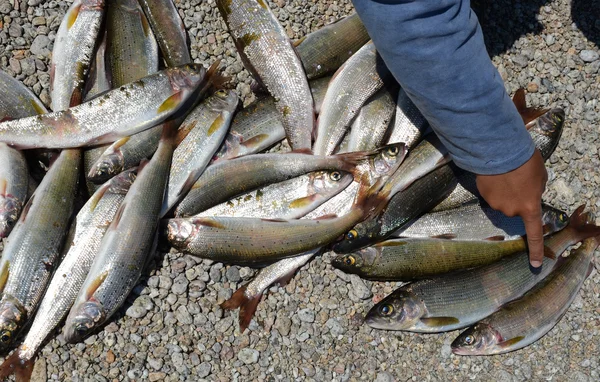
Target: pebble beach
(172, 327)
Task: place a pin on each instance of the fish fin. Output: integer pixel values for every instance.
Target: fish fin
(303, 202)
(528, 114)
(247, 309)
(389, 243)
(236, 300)
(76, 97)
(171, 103)
(189, 182)
(495, 238)
(326, 216)
(510, 342)
(549, 253)
(255, 141)
(26, 208)
(13, 365)
(306, 151)
(519, 99)
(285, 279)
(72, 16)
(39, 108)
(433, 322)
(578, 224)
(183, 131)
(546, 229)
(216, 80)
(3, 186)
(217, 124)
(298, 42)
(275, 220)
(448, 236)
(591, 268)
(98, 195)
(118, 216)
(371, 199)
(351, 160)
(209, 222)
(4, 272)
(169, 132)
(119, 143)
(89, 292)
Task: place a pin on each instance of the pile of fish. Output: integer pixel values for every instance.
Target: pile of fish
(145, 147)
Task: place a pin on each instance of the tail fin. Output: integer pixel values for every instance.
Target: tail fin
(14, 365)
(529, 114)
(216, 80)
(581, 226)
(169, 132)
(246, 304)
(371, 199)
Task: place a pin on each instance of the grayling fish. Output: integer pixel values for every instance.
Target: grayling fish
(33, 247)
(82, 246)
(460, 299)
(125, 247)
(169, 31)
(409, 125)
(267, 53)
(322, 52)
(351, 86)
(73, 52)
(120, 112)
(209, 123)
(526, 320)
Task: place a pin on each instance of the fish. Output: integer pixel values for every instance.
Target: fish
(474, 221)
(269, 56)
(290, 199)
(257, 127)
(259, 241)
(74, 51)
(371, 124)
(461, 299)
(407, 259)
(210, 120)
(323, 51)
(120, 112)
(227, 179)
(248, 296)
(401, 209)
(526, 320)
(169, 31)
(125, 247)
(409, 125)
(351, 86)
(16, 101)
(33, 247)
(82, 245)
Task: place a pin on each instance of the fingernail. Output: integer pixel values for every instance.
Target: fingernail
(535, 267)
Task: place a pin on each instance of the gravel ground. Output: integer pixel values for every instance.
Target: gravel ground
(173, 328)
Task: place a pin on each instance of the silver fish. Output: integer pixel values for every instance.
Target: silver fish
(409, 125)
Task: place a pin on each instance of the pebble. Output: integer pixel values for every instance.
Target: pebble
(136, 311)
(360, 288)
(248, 356)
(589, 55)
(180, 285)
(306, 315)
(233, 274)
(39, 46)
(204, 369)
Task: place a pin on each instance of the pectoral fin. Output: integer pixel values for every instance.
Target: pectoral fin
(434, 322)
(511, 342)
(95, 285)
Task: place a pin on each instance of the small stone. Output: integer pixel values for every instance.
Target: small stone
(233, 274)
(153, 282)
(180, 285)
(335, 328)
(520, 60)
(211, 39)
(153, 377)
(164, 282)
(155, 363)
(195, 288)
(589, 55)
(110, 356)
(39, 46)
(15, 30)
(384, 376)
(39, 373)
(550, 39)
(183, 316)
(15, 65)
(204, 369)
(111, 328)
(134, 374)
(283, 325)
(248, 356)
(39, 20)
(360, 288)
(246, 273)
(215, 274)
(306, 315)
(532, 87)
(136, 311)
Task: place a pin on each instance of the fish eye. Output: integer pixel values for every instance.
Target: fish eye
(386, 309)
(349, 260)
(352, 234)
(5, 336)
(335, 176)
(221, 93)
(562, 217)
(469, 340)
(393, 151)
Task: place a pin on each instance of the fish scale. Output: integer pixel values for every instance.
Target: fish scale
(267, 53)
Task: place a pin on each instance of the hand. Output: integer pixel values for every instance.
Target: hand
(519, 192)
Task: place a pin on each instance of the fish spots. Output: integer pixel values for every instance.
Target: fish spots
(286, 111)
(170, 103)
(247, 39)
(72, 16)
(216, 125)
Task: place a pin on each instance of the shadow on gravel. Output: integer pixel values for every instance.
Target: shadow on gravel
(505, 21)
(586, 15)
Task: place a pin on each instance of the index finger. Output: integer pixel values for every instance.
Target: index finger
(535, 236)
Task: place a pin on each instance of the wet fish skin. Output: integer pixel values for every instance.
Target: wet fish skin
(290, 199)
(460, 299)
(125, 247)
(33, 247)
(82, 245)
(267, 53)
(409, 125)
(524, 321)
(474, 221)
(169, 31)
(318, 88)
(120, 112)
(351, 86)
(322, 52)
(227, 179)
(73, 52)
(210, 120)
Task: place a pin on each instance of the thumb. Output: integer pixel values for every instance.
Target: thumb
(535, 236)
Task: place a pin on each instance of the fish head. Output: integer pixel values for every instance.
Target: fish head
(398, 311)
(354, 262)
(554, 219)
(9, 213)
(106, 167)
(178, 232)
(477, 340)
(325, 182)
(83, 320)
(388, 158)
(12, 318)
(121, 183)
(547, 131)
(185, 78)
(225, 100)
(360, 236)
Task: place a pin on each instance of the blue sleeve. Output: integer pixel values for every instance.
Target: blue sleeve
(435, 50)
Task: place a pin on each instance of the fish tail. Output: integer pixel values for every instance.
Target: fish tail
(529, 114)
(371, 200)
(14, 365)
(169, 132)
(216, 80)
(581, 224)
(246, 304)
